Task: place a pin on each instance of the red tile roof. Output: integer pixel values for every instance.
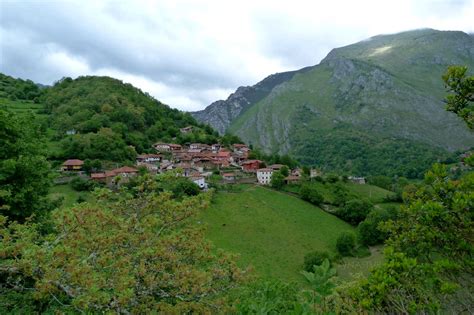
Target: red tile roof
(98, 175)
(250, 161)
(125, 169)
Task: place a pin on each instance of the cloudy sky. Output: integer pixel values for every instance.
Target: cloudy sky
(190, 53)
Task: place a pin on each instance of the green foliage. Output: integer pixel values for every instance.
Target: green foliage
(101, 108)
(24, 171)
(18, 89)
(355, 211)
(461, 99)
(315, 258)
(429, 258)
(381, 181)
(228, 140)
(278, 180)
(91, 166)
(285, 171)
(321, 282)
(346, 243)
(363, 154)
(369, 232)
(81, 184)
(135, 255)
(310, 193)
(267, 297)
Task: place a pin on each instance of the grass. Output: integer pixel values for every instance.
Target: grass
(351, 267)
(374, 194)
(271, 231)
(70, 195)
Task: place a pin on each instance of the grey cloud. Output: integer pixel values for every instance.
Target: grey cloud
(71, 28)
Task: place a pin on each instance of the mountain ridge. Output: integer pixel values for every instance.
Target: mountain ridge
(386, 90)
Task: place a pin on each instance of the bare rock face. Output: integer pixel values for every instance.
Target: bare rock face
(221, 114)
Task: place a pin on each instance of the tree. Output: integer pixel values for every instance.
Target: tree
(310, 193)
(285, 171)
(278, 180)
(461, 99)
(354, 211)
(136, 255)
(369, 229)
(345, 244)
(429, 253)
(24, 172)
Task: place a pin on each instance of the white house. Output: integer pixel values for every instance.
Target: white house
(357, 180)
(162, 146)
(264, 175)
(200, 181)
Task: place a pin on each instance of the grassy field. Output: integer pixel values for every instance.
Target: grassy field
(350, 268)
(70, 195)
(271, 231)
(373, 193)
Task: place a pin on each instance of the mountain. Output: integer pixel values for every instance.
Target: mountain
(374, 107)
(220, 114)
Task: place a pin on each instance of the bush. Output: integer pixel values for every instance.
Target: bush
(332, 178)
(345, 244)
(310, 193)
(184, 187)
(369, 232)
(80, 184)
(315, 258)
(355, 211)
(278, 180)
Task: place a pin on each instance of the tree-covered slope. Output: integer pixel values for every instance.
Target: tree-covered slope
(374, 107)
(113, 120)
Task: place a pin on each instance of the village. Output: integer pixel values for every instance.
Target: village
(196, 161)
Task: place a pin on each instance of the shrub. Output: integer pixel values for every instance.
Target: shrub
(345, 244)
(369, 231)
(184, 187)
(310, 193)
(355, 211)
(315, 258)
(332, 178)
(278, 180)
(80, 184)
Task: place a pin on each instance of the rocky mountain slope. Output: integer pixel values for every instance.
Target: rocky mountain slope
(220, 114)
(372, 107)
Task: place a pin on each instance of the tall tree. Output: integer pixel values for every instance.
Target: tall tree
(138, 255)
(461, 98)
(24, 171)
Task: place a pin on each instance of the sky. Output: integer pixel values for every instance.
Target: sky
(188, 54)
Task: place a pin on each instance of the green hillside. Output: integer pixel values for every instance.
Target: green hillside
(100, 117)
(374, 107)
(270, 230)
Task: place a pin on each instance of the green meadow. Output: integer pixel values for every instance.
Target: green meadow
(270, 230)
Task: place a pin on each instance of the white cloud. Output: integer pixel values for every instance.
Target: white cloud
(190, 53)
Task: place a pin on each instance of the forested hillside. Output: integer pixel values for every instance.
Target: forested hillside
(101, 117)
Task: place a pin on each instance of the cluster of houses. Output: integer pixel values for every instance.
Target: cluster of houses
(197, 162)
